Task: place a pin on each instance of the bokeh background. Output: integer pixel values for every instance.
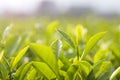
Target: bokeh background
(95, 15)
(25, 8)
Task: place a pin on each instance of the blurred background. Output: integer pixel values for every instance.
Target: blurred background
(103, 15)
(56, 8)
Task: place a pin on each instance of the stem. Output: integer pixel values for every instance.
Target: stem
(80, 76)
(77, 52)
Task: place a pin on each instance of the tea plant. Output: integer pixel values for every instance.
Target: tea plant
(41, 62)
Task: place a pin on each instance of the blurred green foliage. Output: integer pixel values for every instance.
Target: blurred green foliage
(60, 49)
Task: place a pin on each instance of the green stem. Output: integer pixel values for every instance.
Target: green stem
(77, 52)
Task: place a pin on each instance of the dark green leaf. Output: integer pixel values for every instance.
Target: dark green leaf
(67, 38)
(71, 72)
(65, 61)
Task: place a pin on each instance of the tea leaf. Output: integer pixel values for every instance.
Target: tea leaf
(104, 68)
(65, 61)
(115, 73)
(32, 74)
(85, 67)
(67, 38)
(79, 33)
(100, 55)
(44, 70)
(19, 56)
(56, 46)
(71, 72)
(51, 27)
(24, 71)
(90, 44)
(46, 55)
(19, 70)
(1, 55)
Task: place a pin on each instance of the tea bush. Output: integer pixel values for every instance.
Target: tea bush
(58, 53)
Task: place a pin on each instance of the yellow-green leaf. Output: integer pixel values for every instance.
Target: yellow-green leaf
(44, 70)
(1, 55)
(19, 56)
(90, 44)
(46, 55)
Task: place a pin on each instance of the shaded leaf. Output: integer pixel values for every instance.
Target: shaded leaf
(71, 72)
(104, 68)
(18, 72)
(91, 76)
(115, 73)
(116, 52)
(24, 71)
(65, 61)
(3, 71)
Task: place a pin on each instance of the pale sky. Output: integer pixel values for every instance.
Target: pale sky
(28, 6)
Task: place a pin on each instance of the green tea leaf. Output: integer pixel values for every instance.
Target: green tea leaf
(115, 73)
(67, 38)
(90, 44)
(56, 46)
(51, 27)
(13, 44)
(3, 71)
(32, 74)
(44, 70)
(24, 71)
(65, 61)
(85, 67)
(100, 55)
(46, 55)
(19, 56)
(18, 72)
(79, 33)
(116, 52)
(104, 68)
(91, 76)
(104, 76)
(1, 55)
(71, 72)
